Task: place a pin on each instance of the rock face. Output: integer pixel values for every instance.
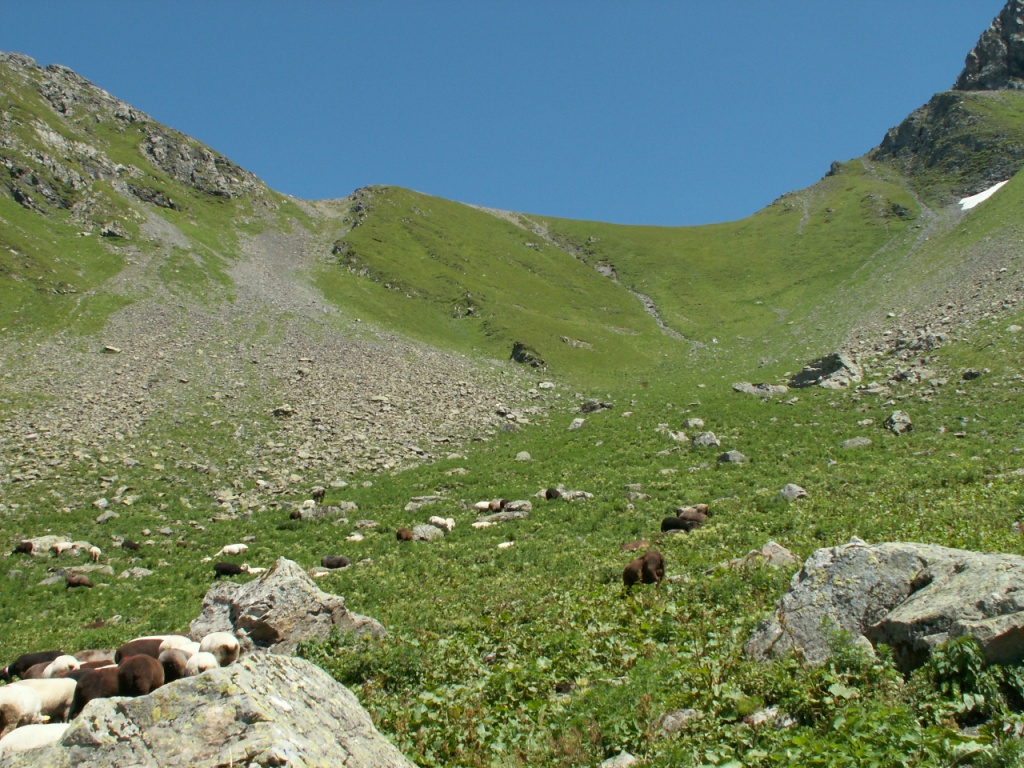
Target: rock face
(835, 371)
(997, 61)
(277, 611)
(265, 710)
(910, 597)
(763, 389)
(898, 422)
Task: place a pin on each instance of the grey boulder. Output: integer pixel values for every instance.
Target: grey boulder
(277, 610)
(835, 371)
(911, 597)
(263, 710)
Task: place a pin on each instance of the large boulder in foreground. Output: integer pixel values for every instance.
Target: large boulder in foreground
(277, 611)
(910, 597)
(261, 711)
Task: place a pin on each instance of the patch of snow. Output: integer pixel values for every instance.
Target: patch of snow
(969, 202)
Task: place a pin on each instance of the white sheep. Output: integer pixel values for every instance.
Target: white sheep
(61, 666)
(55, 695)
(19, 705)
(223, 645)
(201, 662)
(232, 549)
(32, 736)
(95, 655)
(61, 547)
(94, 553)
(445, 523)
(172, 642)
(253, 570)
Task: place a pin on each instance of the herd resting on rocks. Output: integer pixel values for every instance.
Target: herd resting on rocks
(51, 687)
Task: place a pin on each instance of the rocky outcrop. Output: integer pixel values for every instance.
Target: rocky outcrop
(264, 710)
(837, 370)
(908, 596)
(997, 61)
(763, 389)
(277, 611)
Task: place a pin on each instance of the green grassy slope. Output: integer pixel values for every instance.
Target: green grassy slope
(531, 655)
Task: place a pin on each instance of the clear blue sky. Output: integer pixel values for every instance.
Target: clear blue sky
(634, 111)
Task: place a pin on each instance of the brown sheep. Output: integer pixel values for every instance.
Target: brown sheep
(140, 646)
(173, 661)
(139, 675)
(23, 548)
(649, 568)
(134, 546)
(76, 580)
(404, 534)
(317, 494)
(94, 684)
(35, 672)
(552, 493)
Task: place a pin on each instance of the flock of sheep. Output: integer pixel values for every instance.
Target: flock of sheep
(649, 568)
(50, 688)
(53, 687)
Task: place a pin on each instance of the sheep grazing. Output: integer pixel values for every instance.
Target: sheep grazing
(494, 505)
(175, 642)
(335, 561)
(18, 667)
(227, 569)
(446, 524)
(201, 662)
(223, 646)
(35, 672)
(251, 570)
(61, 547)
(32, 736)
(19, 705)
(91, 656)
(649, 568)
(55, 696)
(23, 548)
(94, 684)
(552, 493)
(232, 549)
(146, 646)
(139, 675)
(134, 546)
(634, 545)
(174, 662)
(696, 515)
(675, 524)
(94, 554)
(76, 580)
(317, 494)
(404, 534)
(61, 666)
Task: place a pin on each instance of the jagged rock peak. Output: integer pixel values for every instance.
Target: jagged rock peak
(997, 61)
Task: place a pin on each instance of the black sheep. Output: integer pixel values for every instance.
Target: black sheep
(139, 675)
(20, 665)
(227, 569)
(335, 561)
